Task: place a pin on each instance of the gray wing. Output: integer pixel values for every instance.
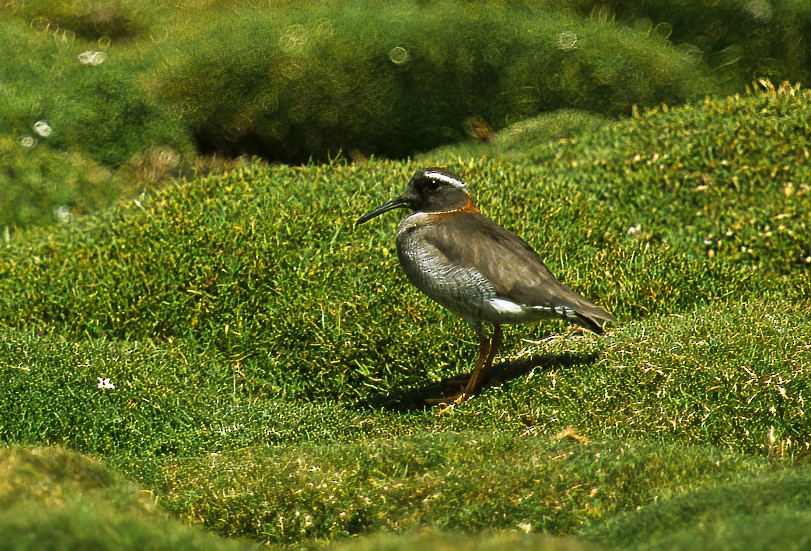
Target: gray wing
(511, 268)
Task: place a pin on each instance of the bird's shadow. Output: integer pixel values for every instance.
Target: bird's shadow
(415, 398)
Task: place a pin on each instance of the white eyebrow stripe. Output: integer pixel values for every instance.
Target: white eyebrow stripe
(445, 178)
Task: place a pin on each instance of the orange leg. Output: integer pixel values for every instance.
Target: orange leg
(481, 369)
(481, 373)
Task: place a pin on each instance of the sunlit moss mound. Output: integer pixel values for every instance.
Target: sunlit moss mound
(93, 104)
(768, 512)
(55, 499)
(468, 482)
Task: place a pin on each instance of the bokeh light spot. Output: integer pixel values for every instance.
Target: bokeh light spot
(567, 40)
(399, 55)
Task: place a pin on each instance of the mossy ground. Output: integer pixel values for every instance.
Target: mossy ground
(270, 361)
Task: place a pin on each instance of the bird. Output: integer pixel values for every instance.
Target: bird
(477, 269)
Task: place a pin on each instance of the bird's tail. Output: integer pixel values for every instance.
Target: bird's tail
(585, 314)
(593, 324)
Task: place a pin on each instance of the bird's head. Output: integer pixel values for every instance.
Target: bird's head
(429, 190)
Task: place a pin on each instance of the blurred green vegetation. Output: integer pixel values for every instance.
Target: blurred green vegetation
(39, 185)
(311, 81)
(108, 20)
(142, 88)
(75, 136)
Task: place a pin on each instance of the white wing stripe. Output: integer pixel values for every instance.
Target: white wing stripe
(503, 306)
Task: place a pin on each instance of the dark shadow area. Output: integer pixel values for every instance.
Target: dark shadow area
(413, 399)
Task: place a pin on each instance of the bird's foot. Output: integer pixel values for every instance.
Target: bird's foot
(468, 387)
(449, 401)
